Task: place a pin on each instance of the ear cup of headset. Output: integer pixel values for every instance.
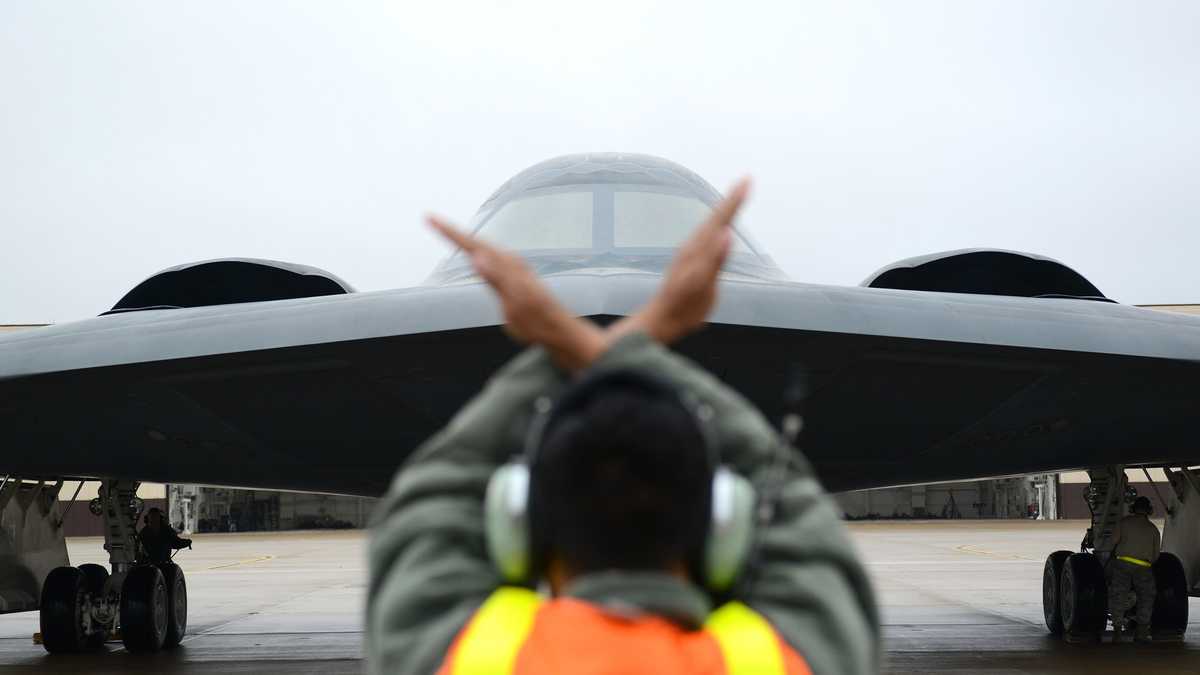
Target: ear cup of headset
(506, 521)
(731, 530)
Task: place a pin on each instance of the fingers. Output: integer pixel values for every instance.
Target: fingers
(710, 241)
(456, 236)
(724, 212)
(713, 238)
(720, 250)
(491, 265)
(487, 260)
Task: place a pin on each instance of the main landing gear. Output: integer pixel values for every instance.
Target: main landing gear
(1074, 585)
(82, 607)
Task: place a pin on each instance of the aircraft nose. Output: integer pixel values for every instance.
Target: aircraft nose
(601, 211)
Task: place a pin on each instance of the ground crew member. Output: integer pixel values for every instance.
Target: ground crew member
(159, 539)
(636, 475)
(1136, 544)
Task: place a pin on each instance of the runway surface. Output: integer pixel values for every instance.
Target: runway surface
(957, 597)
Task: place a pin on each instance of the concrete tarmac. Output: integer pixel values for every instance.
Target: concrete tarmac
(957, 597)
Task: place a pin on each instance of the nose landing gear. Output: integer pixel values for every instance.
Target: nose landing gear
(146, 603)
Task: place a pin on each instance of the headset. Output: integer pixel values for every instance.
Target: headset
(152, 509)
(507, 502)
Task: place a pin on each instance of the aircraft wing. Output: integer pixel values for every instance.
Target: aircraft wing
(331, 393)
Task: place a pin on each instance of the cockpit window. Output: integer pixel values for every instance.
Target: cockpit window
(559, 220)
(602, 211)
(566, 220)
(658, 220)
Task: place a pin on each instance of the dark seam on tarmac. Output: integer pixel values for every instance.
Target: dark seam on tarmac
(1004, 618)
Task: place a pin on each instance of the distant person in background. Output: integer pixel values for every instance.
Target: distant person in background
(159, 539)
(1136, 544)
(622, 502)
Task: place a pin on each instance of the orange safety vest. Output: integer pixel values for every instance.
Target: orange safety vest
(515, 632)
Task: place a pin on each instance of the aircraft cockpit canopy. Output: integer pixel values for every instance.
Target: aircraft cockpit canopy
(602, 211)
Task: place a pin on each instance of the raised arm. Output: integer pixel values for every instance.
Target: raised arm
(176, 540)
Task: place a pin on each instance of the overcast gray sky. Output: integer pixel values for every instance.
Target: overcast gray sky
(139, 135)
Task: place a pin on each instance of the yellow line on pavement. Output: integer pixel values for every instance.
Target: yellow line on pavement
(261, 558)
(975, 550)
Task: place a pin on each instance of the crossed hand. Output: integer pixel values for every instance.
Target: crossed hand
(532, 315)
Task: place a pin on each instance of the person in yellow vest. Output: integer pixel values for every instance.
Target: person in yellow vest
(607, 506)
(1136, 544)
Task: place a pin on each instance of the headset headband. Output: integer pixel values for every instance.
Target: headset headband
(514, 539)
(580, 393)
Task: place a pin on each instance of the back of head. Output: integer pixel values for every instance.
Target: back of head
(622, 479)
(1142, 506)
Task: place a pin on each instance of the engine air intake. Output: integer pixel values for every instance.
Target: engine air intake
(229, 281)
(986, 272)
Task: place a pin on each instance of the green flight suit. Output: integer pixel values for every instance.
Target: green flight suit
(429, 566)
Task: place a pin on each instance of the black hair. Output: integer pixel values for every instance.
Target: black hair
(622, 478)
(1142, 505)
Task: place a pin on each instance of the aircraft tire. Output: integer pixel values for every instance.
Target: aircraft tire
(144, 610)
(94, 578)
(1083, 595)
(176, 604)
(1171, 602)
(60, 611)
(1051, 582)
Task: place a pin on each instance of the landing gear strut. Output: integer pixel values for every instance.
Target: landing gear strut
(1074, 585)
(147, 604)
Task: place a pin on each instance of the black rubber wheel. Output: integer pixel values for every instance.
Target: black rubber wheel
(94, 578)
(61, 611)
(1083, 597)
(1051, 581)
(176, 604)
(1171, 602)
(144, 610)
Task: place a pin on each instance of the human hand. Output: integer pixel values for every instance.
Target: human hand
(532, 315)
(689, 289)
